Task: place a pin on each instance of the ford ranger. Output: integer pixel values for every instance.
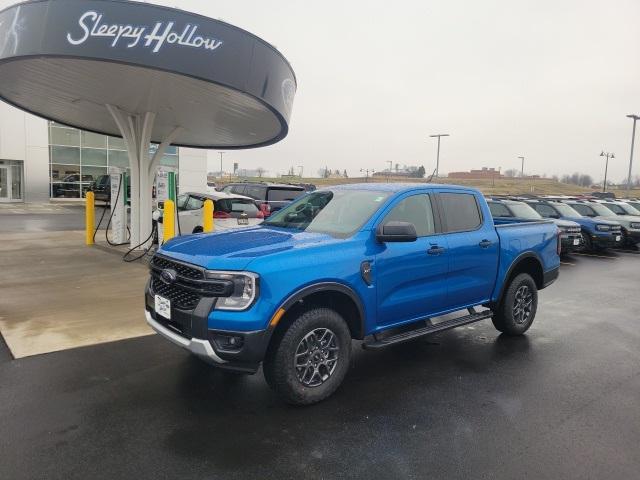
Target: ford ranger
(373, 262)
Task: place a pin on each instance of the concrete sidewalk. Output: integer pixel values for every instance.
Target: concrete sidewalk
(56, 293)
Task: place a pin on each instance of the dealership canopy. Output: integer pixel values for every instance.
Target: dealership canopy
(146, 73)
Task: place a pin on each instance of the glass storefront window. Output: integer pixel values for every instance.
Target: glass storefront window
(118, 158)
(65, 136)
(77, 158)
(117, 143)
(65, 181)
(94, 156)
(169, 161)
(69, 155)
(93, 140)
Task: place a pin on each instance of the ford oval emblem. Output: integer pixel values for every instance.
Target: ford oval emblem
(168, 276)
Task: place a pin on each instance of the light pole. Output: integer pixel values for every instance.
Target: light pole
(522, 170)
(367, 170)
(606, 168)
(221, 154)
(438, 154)
(301, 169)
(633, 137)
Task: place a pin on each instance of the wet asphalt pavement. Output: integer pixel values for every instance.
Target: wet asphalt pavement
(561, 402)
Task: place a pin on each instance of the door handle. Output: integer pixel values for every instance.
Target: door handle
(485, 243)
(436, 250)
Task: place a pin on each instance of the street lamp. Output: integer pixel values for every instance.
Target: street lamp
(301, 169)
(606, 167)
(633, 137)
(522, 170)
(367, 170)
(438, 154)
(221, 154)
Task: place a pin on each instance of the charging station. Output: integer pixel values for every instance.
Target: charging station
(149, 74)
(118, 205)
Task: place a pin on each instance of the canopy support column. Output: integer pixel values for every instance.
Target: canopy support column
(136, 130)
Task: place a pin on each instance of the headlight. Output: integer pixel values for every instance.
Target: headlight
(245, 289)
(603, 228)
(634, 225)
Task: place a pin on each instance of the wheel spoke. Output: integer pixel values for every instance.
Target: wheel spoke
(316, 357)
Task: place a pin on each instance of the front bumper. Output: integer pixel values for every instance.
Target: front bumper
(200, 348)
(607, 240)
(189, 329)
(571, 242)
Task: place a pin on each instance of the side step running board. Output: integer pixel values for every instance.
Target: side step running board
(421, 332)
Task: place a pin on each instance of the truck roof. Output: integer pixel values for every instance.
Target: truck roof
(395, 187)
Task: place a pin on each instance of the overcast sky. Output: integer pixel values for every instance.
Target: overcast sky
(548, 79)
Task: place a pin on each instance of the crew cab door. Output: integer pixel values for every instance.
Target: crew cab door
(473, 247)
(411, 277)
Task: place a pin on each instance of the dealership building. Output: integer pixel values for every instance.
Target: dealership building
(42, 160)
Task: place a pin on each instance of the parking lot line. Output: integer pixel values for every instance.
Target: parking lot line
(567, 263)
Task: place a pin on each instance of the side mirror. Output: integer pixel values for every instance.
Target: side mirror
(396, 232)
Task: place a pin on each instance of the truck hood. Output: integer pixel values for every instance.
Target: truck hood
(565, 223)
(591, 222)
(235, 249)
(621, 218)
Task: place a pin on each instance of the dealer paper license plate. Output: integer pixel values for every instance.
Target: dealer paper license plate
(576, 241)
(163, 307)
(618, 237)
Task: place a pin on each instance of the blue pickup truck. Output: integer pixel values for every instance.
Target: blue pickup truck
(373, 262)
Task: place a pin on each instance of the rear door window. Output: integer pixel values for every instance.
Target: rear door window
(283, 194)
(416, 210)
(236, 207)
(461, 212)
(194, 203)
(582, 209)
(544, 210)
(617, 209)
(256, 192)
(499, 210)
(237, 189)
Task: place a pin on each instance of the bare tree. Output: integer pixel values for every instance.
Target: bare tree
(260, 171)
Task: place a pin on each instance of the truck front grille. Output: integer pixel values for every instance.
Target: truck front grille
(181, 269)
(180, 297)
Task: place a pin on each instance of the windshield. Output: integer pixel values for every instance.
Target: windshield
(340, 213)
(601, 210)
(522, 210)
(566, 211)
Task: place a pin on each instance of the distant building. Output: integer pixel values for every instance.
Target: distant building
(485, 173)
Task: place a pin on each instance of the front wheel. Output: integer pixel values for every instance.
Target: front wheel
(310, 360)
(518, 307)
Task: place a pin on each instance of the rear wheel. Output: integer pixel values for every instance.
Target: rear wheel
(518, 307)
(309, 361)
(197, 230)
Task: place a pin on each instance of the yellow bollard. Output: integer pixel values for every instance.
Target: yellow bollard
(207, 217)
(90, 217)
(168, 221)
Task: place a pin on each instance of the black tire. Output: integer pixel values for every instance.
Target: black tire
(279, 369)
(518, 307)
(588, 244)
(197, 230)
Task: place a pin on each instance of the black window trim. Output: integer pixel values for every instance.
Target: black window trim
(444, 220)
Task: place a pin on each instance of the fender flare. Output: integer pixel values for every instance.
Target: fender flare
(516, 261)
(328, 287)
